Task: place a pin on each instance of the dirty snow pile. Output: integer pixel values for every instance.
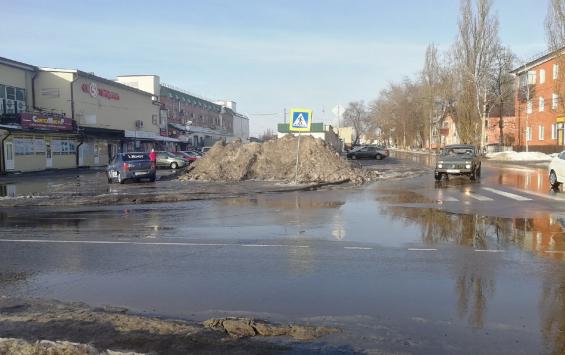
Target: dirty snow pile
(46, 347)
(519, 156)
(275, 160)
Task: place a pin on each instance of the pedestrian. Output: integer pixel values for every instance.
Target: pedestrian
(152, 155)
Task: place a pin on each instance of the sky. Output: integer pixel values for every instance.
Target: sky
(267, 55)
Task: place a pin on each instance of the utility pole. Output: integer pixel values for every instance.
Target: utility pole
(284, 116)
(527, 108)
(431, 124)
(483, 119)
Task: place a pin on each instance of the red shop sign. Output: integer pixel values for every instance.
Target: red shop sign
(93, 90)
(29, 120)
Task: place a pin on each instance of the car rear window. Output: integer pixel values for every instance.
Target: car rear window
(135, 156)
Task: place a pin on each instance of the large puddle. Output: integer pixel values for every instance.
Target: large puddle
(377, 262)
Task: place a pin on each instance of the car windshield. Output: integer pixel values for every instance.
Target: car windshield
(457, 151)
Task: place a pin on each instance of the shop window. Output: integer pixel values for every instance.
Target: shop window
(10, 93)
(20, 94)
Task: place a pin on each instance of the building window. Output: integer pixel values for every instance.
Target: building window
(555, 71)
(20, 94)
(541, 104)
(2, 91)
(542, 76)
(554, 101)
(541, 133)
(528, 133)
(553, 131)
(10, 93)
(532, 77)
(529, 106)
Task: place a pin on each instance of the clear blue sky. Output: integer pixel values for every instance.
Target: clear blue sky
(264, 54)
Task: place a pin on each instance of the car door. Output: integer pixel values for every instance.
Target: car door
(362, 153)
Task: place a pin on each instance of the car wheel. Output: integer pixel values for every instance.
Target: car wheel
(379, 157)
(553, 180)
(152, 178)
(174, 165)
(120, 180)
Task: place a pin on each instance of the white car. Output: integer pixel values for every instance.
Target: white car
(557, 171)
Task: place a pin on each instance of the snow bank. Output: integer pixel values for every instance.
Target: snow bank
(519, 156)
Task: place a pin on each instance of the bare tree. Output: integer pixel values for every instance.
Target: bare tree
(501, 86)
(356, 115)
(430, 81)
(474, 52)
(267, 135)
(555, 24)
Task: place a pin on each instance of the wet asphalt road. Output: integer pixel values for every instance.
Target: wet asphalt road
(405, 266)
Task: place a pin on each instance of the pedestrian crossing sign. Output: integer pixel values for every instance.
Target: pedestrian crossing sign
(300, 120)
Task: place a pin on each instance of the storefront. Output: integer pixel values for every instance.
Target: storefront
(39, 142)
(111, 117)
(560, 126)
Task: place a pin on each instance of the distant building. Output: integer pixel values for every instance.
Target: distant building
(540, 116)
(193, 120)
(444, 133)
(346, 135)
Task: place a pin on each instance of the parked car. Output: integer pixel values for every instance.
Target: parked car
(557, 171)
(189, 156)
(368, 152)
(130, 166)
(205, 149)
(458, 159)
(170, 160)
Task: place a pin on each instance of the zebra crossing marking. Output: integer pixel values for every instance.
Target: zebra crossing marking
(507, 194)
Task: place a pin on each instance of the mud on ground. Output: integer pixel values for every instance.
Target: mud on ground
(50, 327)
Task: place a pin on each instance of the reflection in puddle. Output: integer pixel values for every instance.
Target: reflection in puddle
(298, 202)
(542, 235)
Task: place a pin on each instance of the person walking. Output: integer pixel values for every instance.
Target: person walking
(153, 156)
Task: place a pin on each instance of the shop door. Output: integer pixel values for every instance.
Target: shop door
(9, 155)
(81, 150)
(48, 154)
(96, 154)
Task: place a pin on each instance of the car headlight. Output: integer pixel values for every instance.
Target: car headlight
(468, 166)
(440, 166)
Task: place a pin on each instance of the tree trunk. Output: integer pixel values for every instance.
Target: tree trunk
(501, 124)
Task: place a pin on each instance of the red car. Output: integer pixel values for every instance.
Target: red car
(189, 156)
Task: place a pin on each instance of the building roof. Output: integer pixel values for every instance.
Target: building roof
(179, 94)
(97, 78)
(540, 59)
(17, 64)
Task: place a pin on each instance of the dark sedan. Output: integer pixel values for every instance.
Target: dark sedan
(368, 152)
(131, 166)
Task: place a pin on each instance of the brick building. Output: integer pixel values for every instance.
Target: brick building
(539, 111)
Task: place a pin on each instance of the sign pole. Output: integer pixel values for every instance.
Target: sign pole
(297, 158)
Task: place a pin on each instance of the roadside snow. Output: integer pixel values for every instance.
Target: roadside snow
(519, 156)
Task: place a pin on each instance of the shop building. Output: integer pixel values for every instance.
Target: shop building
(110, 117)
(192, 120)
(31, 139)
